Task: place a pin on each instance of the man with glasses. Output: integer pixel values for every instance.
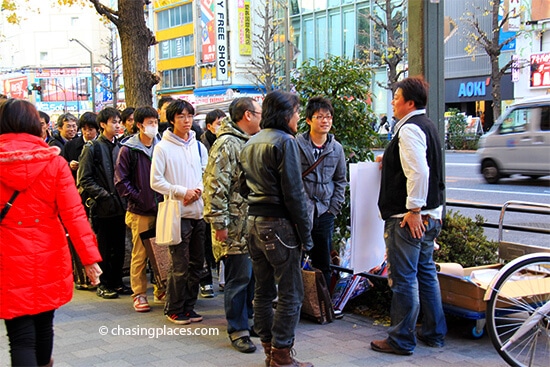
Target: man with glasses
(324, 163)
(178, 163)
(66, 130)
(226, 211)
(95, 180)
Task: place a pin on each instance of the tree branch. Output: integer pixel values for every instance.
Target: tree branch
(107, 12)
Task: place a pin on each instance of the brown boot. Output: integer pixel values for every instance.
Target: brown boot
(49, 364)
(282, 357)
(267, 351)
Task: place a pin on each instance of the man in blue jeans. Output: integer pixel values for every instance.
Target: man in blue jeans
(410, 201)
(226, 210)
(278, 225)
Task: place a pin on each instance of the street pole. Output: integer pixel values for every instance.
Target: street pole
(91, 69)
(287, 50)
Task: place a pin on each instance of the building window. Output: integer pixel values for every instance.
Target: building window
(175, 17)
(176, 78)
(177, 47)
(74, 21)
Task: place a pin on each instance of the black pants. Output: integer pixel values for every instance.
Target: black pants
(31, 339)
(111, 241)
(209, 262)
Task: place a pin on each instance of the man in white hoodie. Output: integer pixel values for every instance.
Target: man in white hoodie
(179, 160)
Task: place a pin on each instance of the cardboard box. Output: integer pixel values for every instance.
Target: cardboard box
(457, 291)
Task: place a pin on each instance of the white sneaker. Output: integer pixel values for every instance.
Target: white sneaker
(141, 304)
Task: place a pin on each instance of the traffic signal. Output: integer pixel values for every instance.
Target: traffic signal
(39, 90)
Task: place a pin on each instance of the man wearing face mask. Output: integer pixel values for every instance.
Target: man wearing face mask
(132, 176)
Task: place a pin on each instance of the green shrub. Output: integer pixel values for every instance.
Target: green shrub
(462, 241)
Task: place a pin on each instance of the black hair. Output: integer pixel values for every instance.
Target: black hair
(163, 100)
(126, 113)
(414, 89)
(105, 114)
(241, 105)
(278, 108)
(45, 116)
(19, 116)
(88, 119)
(176, 107)
(213, 116)
(141, 113)
(318, 103)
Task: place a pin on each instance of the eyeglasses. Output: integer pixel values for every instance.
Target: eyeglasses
(184, 117)
(254, 112)
(321, 117)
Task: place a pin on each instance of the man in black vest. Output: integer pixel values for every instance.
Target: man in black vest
(410, 201)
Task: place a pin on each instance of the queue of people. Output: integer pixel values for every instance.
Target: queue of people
(254, 195)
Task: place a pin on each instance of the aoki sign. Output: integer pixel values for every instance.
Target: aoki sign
(472, 89)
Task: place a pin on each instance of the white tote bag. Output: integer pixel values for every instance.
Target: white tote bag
(169, 222)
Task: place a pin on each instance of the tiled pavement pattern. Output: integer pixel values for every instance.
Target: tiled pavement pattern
(343, 343)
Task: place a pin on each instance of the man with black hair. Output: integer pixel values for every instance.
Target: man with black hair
(95, 178)
(132, 181)
(163, 104)
(411, 205)
(89, 129)
(178, 163)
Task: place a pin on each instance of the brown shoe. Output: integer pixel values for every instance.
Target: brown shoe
(282, 357)
(267, 351)
(385, 347)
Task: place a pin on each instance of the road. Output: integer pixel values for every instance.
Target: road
(465, 183)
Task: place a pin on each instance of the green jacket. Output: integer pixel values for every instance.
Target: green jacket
(224, 207)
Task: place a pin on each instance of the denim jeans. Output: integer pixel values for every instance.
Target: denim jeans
(238, 293)
(275, 252)
(413, 279)
(182, 285)
(321, 233)
(31, 339)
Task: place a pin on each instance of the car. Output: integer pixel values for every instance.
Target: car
(518, 142)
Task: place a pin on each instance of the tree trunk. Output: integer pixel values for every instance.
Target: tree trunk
(494, 55)
(135, 39)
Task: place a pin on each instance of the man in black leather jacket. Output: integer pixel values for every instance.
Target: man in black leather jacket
(278, 223)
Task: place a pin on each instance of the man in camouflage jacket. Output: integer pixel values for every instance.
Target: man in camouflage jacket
(226, 210)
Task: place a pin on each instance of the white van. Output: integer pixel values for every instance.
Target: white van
(518, 142)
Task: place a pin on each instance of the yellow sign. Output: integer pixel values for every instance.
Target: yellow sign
(245, 31)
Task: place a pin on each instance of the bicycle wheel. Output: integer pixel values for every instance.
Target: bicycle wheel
(518, 316)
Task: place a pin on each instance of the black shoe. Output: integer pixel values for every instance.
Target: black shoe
(124, 290)
(207, 291)
(243, 345)
(429, 343)
(106, 293)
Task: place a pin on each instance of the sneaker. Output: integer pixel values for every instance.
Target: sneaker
(141, 304)
(160, 299)
(207, 291)
(193, 316)
(244, 345)
(179, 318)
(106, 293)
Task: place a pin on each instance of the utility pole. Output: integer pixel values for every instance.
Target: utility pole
(91, 69)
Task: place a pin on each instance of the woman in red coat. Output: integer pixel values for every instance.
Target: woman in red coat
(35, 264)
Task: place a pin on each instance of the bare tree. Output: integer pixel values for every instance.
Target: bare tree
(268, 65)
(383, 29)
(113, 62)
(489, 42)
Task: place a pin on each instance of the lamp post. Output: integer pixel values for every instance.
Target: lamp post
(91, 69)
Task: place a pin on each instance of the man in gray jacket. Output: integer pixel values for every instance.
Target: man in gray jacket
(324, 176)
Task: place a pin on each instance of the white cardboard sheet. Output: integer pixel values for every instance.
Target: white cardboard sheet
(367, 228)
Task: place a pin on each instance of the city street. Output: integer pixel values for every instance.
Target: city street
(465, 183)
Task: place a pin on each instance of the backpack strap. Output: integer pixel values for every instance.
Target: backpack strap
(313, 166)
(8, 205)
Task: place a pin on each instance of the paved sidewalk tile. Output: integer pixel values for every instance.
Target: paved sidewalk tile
(90, 331)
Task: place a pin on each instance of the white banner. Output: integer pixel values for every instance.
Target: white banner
(367, 228)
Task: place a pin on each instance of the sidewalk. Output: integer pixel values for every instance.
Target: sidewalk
(343, 343)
